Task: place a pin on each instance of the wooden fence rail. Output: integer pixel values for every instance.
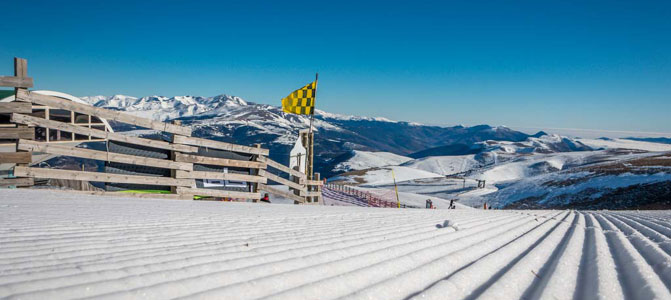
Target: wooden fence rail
(178, 139)
(29, 120)
(100, 177)
(33, 146)
(17, 82)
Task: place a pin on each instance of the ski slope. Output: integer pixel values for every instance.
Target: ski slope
(56, 245)
(361, 160)
(381, 176)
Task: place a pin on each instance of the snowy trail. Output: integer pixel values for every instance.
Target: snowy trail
(64, 246)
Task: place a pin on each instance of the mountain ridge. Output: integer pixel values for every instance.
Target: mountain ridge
(232, 119)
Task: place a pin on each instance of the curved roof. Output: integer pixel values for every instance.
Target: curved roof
(63, 96)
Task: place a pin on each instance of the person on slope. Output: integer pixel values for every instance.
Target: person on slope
(265, 198)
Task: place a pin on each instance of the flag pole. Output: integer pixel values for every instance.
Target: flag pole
(312, 115)
(311, 139)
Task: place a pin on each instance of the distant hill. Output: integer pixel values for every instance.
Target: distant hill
(455, 149)
(661, 140)
(6, 93)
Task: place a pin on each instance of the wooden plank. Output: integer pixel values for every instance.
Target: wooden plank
(101, 177)
(127, 194)
(281, 167)
(218, 193)
(21, 71)
(102, 155)
(218, 145)
(283, 181)
(55, 102)
(17, 82)
(214, 161)
(21, 67)
(16, 157)
(5, 182)
(221, 176)
(15, 107)
(314, 182)
(23, 119)
(17, 133)
(313, 194)
(285, 194)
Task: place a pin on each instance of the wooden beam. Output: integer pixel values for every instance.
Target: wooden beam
(315, 182)
(17, 133)
(21, 68)
(23, 119)
(17, 82)
(283, 181)
(5, 182)
(55, 102)
(214, 161)
(101, 177)
(221, 176)
(102, 155)
(15, 107)
(218, 145)
(121, 194)
(313, 194)
(16, 157)
(281, 167)
(128, 194)
(285, 194)
(218, 193)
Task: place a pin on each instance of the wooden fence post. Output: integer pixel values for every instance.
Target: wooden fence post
(173, 172)
(21, 71)
(318, 188)
(255, 185)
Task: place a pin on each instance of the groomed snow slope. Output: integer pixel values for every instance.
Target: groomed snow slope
(365, 160)
(62, 246)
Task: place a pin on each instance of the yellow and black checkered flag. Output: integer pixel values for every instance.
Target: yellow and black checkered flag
(301, 101)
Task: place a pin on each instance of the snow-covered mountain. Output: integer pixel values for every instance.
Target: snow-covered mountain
(232, 119)
(542, 172)
(167, 108)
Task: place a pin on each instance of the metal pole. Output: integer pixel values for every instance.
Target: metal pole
(310, 138)
(398, 202)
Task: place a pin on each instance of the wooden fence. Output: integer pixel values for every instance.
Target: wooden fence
(185, 151)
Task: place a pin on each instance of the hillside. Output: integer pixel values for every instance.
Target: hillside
(541, 172)
(360, 160)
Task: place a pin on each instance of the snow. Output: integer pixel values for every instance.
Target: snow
(445, 165)
(365, 160)
(67, 246)
(350, 117)
(381, 176)
(625, 144)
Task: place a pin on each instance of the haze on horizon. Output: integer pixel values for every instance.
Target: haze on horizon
(603, 65)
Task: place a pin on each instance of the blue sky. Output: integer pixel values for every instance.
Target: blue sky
(534, 64)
